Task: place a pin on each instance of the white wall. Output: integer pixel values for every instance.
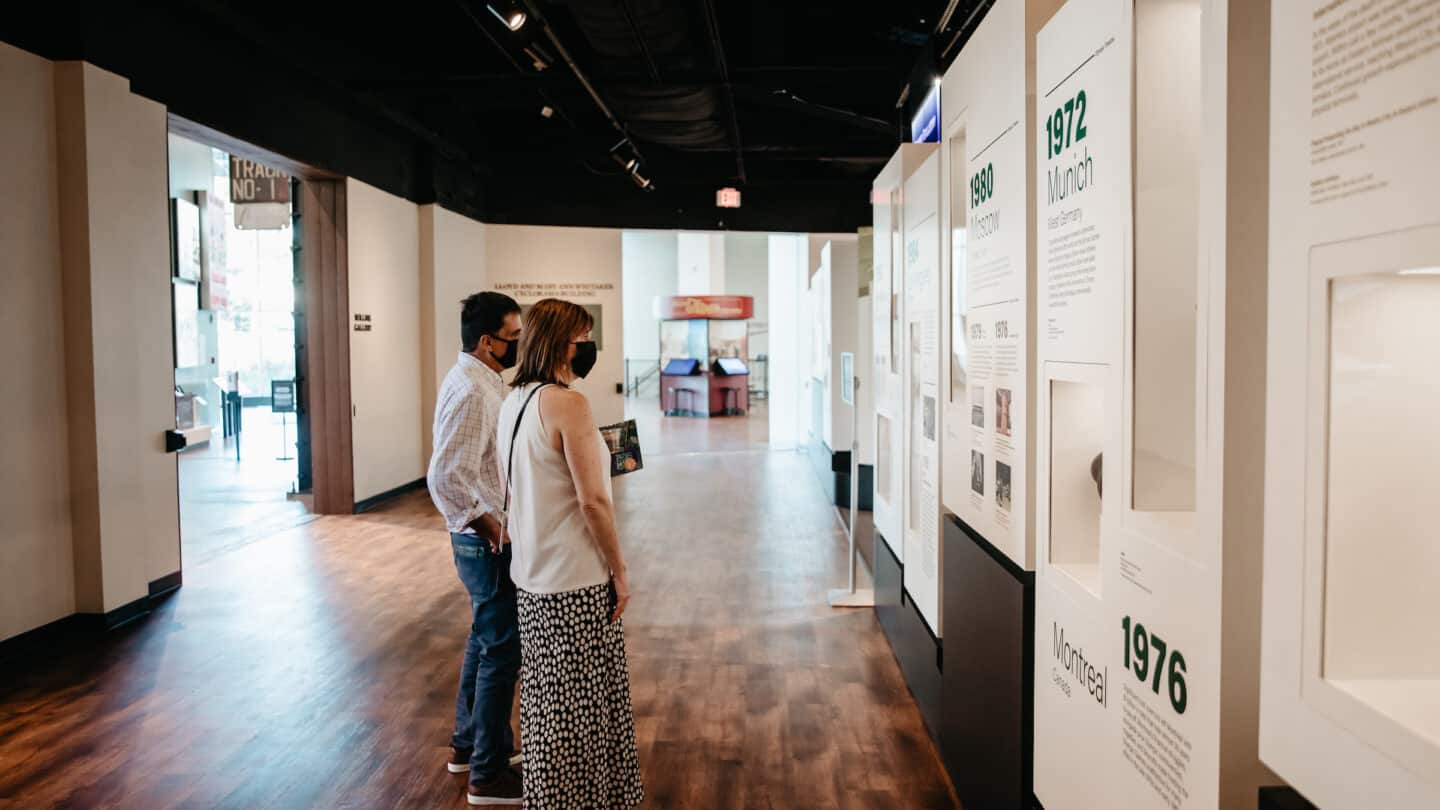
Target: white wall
(747, 272)
(701, 263)
(37, 584)
(583, 265)
(387, 422)
(786, 260)
(192, 166)
(452, 268)
(650, 261)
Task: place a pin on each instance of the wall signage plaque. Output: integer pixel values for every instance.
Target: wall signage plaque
(727, 307)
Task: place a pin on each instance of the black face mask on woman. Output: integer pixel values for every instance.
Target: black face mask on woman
(511, 355)
(584, 359)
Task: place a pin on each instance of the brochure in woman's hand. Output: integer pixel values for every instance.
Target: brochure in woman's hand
(623, 439)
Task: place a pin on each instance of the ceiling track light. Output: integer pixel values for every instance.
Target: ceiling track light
(642, 183)
(509, 13)
(626, 155)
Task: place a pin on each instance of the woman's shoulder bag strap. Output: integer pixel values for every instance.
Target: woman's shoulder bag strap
(514, 434)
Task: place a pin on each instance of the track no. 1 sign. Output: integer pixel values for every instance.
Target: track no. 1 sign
(252, 182)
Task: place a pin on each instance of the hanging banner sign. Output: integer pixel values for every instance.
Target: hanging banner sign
(727, 307)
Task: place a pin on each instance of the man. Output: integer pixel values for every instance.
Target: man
(466, 485)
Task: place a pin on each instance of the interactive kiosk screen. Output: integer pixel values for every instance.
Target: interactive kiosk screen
(681, 367)
(730, 366)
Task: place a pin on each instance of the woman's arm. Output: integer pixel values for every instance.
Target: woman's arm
(590, 470)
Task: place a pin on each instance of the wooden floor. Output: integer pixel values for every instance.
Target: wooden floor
(316, 667)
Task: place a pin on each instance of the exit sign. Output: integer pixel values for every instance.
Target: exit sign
(727, 198)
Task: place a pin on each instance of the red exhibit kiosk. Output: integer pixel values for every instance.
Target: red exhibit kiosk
(704, 342)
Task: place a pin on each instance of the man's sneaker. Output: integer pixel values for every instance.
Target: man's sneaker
(505, 789)
(459, 760)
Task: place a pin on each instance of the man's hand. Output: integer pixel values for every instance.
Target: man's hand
(490, 530)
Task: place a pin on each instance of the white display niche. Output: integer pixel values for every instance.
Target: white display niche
(1372, 493)
(1164, 411)
(1077, 441)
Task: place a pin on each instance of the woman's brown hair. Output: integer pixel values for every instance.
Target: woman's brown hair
(545, 338)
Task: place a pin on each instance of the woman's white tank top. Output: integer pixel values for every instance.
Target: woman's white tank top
(551, 547)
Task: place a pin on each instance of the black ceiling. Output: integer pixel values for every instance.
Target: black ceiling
(794, 103)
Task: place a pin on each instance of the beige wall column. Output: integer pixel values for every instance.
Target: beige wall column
(119, 363)
(37, 583)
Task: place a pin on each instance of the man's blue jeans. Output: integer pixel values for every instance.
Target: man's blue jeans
(492, 658)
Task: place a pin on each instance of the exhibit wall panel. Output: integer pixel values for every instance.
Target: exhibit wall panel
(885, 288)
(823, 399)
(1132, 279)
(1082, 226)
(920, 405)
(452, 268)
(385, 360)
(582, 265)
(840, 267)
(989, 332)
(1354, 263)
(37, 581)
(864, 395)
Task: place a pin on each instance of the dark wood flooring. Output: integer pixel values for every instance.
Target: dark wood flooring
(316, 667)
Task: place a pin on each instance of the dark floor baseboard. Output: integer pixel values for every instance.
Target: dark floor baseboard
(165, 585)
(1283, 798)
(376, 500)
(84, 628)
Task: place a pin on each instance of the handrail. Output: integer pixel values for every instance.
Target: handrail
(634, 381)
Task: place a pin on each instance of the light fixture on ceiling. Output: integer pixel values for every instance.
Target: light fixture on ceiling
(625, 154)
(1421, 271)
(641, 182)
(627, 157)
(547, 111)
(509, 13)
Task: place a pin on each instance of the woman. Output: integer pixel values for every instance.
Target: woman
(577, 726)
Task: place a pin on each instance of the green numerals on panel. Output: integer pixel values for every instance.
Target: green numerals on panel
(982, 185)
(1149, 667)
(1066, 126)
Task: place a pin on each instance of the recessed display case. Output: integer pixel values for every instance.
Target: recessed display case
(1375, 393)
(1167, 165)
(1077, 431)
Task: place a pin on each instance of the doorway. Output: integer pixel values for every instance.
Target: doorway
(235, 281)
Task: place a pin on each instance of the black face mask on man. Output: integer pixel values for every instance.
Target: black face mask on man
(584, 359)
(511, 354)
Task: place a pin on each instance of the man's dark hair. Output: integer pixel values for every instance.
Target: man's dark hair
(483, 314)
